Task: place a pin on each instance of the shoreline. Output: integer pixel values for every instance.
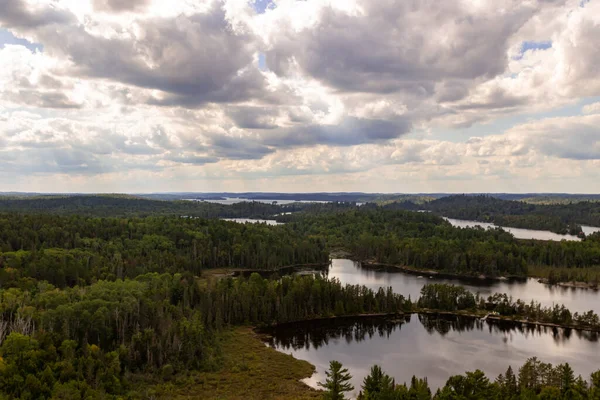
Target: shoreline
(571, 284)
(400, 315)
(441, 274)
(225, 272)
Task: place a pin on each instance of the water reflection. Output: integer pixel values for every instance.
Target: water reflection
(432, 346)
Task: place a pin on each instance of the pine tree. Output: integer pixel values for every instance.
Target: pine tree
(337, 382)
(377, 385)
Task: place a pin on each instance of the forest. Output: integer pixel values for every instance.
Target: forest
(92, 341)
(104, 307)
(533, 380)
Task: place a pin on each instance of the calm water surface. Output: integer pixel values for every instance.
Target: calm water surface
(350, 272)
(432, 347)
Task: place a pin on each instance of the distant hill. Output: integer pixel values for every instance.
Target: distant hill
(127, 205)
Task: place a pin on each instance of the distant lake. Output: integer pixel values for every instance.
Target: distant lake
(576, 299)
(253, 221)
(588, 230)
(432, 347)
(517, 232)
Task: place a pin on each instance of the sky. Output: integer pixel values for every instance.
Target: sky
(396, 96)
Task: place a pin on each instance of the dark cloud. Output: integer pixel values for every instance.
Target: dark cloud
(390, 47)
(16, 14)
(193, 59)
(43, 99)
(246, 117)
(117, 6)
(192, 159)
(498, 99)
(238, 148)
(351, 131)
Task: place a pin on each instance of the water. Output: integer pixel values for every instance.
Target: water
(253, 221)
(575, 299)
(588, 230)
(518, 232)
(432, 347)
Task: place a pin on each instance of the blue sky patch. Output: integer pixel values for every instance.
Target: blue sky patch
(262, 5)
(7, 37)
(533, 45)
(262, 62)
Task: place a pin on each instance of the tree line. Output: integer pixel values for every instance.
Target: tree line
(447, 297)
(533, 380)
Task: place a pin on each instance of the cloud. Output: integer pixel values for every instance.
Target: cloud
(20, 14)
(349, 131)
(375, 93)
(120, 5)
(389, 46)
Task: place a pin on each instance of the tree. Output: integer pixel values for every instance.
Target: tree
(377, 385)
(337, 382)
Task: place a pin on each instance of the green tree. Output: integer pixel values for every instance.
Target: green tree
(377, 385)
(337, 382)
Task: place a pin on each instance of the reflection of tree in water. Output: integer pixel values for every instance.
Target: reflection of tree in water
(443, 324)
(316, 334)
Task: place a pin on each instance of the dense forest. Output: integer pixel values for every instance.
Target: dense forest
(559, 218)
(69, 250)
(534, 380)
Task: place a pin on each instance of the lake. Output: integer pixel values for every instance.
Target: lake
(517, 232)
(253, 221)
(576, 299)
(432, 347)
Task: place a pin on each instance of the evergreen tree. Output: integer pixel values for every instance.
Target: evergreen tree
(337, 382)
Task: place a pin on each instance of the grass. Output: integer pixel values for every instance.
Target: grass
(250, 370)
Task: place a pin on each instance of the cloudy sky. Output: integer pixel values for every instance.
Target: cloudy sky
(300, 95)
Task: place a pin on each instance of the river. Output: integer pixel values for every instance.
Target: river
(432, 347)
(576, 299)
